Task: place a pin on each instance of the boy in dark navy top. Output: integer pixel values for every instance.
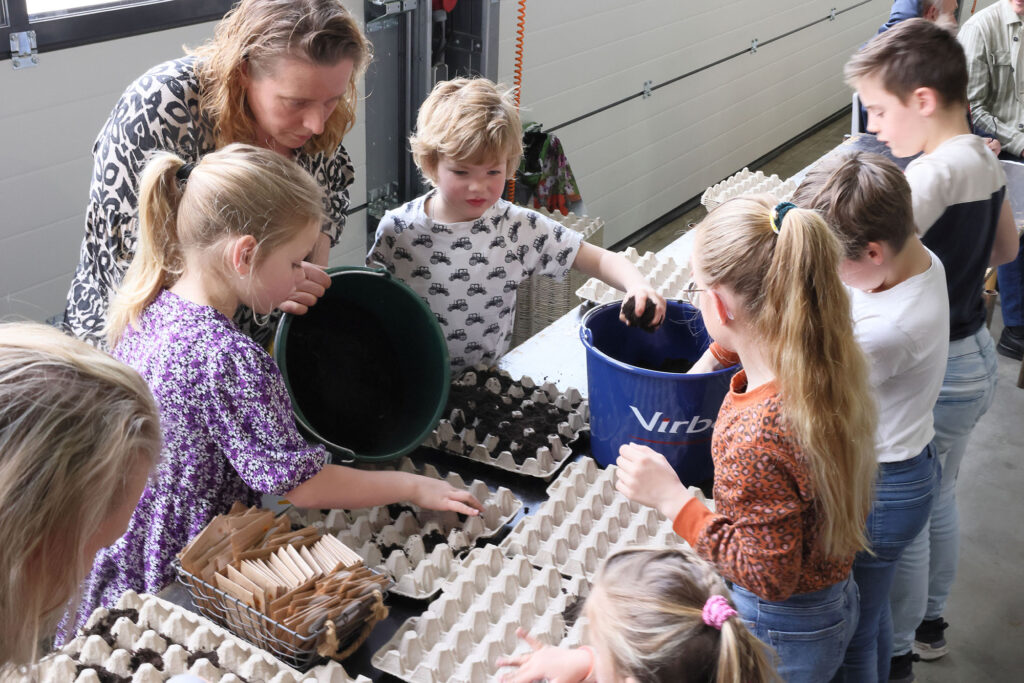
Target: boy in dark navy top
(912, 80)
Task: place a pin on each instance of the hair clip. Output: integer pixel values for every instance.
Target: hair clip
(717, 611)
(184, 171)
(778, 214)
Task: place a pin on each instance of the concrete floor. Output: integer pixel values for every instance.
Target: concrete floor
(986, 609)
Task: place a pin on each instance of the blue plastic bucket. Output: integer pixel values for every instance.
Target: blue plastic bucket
(671, 412)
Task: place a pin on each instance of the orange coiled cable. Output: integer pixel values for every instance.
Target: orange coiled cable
(517, 80)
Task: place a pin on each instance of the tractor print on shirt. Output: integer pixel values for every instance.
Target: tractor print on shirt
(423, 241)
(474, 346)
(498, 272)
(458, 305)
(475, 288)
(423, 272)
(505, 311)
(462, 243)
(400, 225)
(510, 286)
(558, 231)
(474, 319)
(441, 320)
(440, 257)
(494, 302)
(498, 242)
(457, 361)
(401, 253)
(437, 288)
(493, 328)
(438, 228)
(545, 259)
(531, 218)
(390, 241)
(513, 231)
(477, 258)
(521, 252)
(563, 256)
(480, 225)
(459, 335)
(460, 274)
(538, 243)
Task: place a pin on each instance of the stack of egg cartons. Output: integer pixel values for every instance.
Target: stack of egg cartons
(747, 183)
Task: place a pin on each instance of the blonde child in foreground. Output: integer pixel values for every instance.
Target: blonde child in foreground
(659, 616)
(79, 434)
(793, 444)
(466, 250)
(232, 230)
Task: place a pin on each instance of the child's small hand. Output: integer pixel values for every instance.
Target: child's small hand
(646, 476)
(553, 664)
(309, 290)
(643, 296)
(435, 494)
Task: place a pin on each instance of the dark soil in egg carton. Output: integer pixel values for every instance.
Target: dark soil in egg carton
(430, 541)
(104, 627)
(572, 611)
(490, 413)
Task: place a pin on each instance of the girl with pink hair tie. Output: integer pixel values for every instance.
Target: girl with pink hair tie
(658, 615)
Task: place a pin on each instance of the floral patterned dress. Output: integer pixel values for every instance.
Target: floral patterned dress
(160, 112)
(228, 435)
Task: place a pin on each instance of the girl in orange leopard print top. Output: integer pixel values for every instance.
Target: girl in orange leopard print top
(793, 444)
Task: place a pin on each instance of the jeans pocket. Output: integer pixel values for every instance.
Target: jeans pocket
(810, 655)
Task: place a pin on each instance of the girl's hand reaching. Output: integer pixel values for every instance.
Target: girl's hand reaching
(309, 291)
(646, 476)
(553, 664)
(436, 494)
(644, 295)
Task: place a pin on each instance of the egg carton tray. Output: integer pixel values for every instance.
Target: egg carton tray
(418, 548)
(473, 623)
(584, 521)
(486, 400)
(663, 273)
(146, 640)
(745, 183)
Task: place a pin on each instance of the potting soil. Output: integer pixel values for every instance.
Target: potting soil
(345, 376)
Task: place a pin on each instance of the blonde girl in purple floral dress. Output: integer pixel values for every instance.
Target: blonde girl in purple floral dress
(231, 231)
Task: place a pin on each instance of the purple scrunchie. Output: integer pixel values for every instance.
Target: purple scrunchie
(716, 610)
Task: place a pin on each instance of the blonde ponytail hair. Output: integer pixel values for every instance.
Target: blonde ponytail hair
(646, 610)
(75, 424)
(797, 306)
(236, 191)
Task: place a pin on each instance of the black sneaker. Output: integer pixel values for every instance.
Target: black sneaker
(929, 642)
(901, 668)
(1011, 342)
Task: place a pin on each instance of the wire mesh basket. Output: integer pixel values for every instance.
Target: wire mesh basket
(298, 650)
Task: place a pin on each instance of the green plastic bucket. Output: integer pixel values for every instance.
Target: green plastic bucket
(366, 367)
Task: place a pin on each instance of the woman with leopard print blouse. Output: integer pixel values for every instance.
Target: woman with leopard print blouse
(279, 74)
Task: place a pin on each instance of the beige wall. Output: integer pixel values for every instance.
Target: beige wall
(634, 162)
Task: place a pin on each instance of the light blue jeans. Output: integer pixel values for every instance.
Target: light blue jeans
(925, 572)
(809, 632)
(903, 502)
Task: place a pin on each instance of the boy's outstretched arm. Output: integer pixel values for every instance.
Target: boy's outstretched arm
(617, 271)
(339, 487)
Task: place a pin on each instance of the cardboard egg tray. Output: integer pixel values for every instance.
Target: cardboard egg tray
(663, 273)
(148, 640)
(584, 521)
(419, 548)
(473, 622)
(746, 182)
(501, 402)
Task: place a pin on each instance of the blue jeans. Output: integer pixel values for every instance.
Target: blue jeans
(1011, 290)
(809, 632)
(903, 500)
(925, 572)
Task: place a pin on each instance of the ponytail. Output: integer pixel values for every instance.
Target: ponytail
(235, 191)
(796, 304)
(742, 658)
(157, 261)
(647, 611)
